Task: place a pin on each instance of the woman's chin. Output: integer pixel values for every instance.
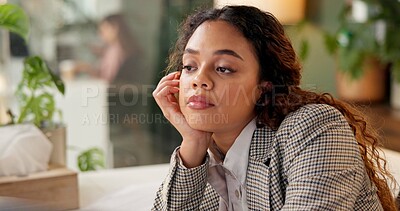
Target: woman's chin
(202, 127)
(206, 122)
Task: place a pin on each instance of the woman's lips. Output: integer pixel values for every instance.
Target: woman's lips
(199, 102)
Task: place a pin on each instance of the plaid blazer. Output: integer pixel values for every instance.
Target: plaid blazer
(312, 162)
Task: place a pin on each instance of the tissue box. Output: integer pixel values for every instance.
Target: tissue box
(56, 188)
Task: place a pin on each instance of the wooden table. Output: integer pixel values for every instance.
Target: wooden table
(56, 188)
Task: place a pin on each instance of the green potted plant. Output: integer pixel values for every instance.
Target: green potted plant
(35, 94)
(356, 45)
(36, 90)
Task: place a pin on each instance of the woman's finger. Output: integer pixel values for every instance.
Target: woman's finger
(160, 86)
(170, 76)
(165, 97)
(164, 94)
(170, 107)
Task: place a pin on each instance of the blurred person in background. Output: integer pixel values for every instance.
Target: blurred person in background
(118, 66)
(116, 56)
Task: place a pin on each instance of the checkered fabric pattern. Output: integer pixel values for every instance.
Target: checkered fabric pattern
(312, 162)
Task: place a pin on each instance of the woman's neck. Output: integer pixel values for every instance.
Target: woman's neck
(225, 139)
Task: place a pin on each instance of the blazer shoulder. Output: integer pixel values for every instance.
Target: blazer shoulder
(307, 120)
(301, 127)
(319, 125)
(311, 116)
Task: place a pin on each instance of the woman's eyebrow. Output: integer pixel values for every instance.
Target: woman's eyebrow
(191, 51)
(218, 52)
(228, 52)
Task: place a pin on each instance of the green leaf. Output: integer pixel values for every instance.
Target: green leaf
(14, 19)
(91, 159)
(43, 107)
(40, 74)
(35, 73)
(38, 109)
(25, 109)
(330, 43)
(58, 82)
(304, 49)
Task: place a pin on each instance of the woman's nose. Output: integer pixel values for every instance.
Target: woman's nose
(202, 80)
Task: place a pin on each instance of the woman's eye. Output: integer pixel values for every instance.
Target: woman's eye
(188, 68)
(224, 70)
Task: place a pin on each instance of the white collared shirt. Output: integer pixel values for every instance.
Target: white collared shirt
(228, 178)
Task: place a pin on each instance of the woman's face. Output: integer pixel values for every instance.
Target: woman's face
(218, 84)
(108, 32)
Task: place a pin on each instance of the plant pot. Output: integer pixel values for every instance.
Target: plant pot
(369, 88)
(395, 94)
(57, 137)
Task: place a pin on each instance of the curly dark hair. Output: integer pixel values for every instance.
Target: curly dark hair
(281, 69)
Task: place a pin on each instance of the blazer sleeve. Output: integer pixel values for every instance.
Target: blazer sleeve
(323, 164)
(183, 189)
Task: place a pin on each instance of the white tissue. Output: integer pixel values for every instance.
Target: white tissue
(24, 149)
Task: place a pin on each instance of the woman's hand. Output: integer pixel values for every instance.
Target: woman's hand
(195, 142)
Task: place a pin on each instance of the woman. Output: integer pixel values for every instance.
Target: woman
(252, 138)
(118, 50)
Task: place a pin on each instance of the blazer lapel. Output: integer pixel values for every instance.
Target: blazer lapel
(258, 173)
